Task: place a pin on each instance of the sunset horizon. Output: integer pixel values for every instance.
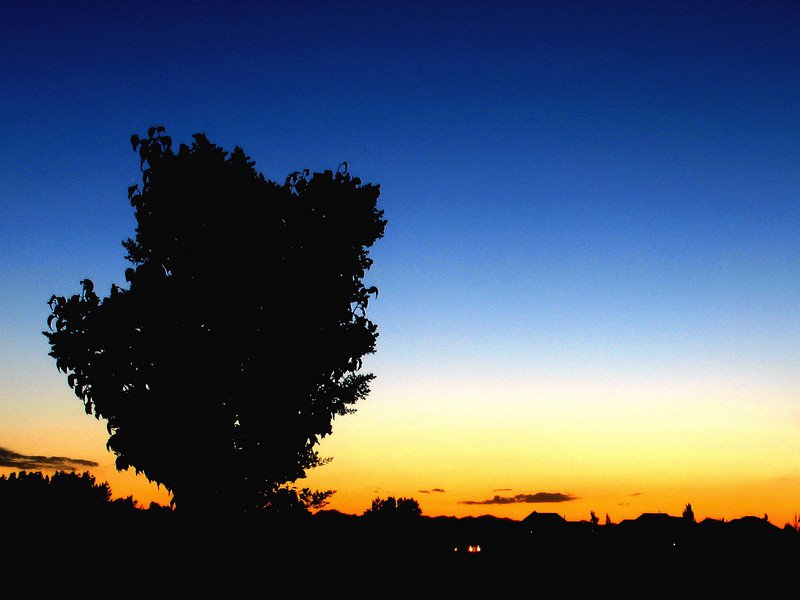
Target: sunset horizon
(587, 288)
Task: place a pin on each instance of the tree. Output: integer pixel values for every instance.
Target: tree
(688, 513)
(242, 329)
(31, 494)
(391, 508)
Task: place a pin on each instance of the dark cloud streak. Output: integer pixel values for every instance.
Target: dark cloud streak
(525, 499)
(14, 460)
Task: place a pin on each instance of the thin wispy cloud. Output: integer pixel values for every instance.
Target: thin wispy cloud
(15, 460)
(539, 497)
(437, 490)
(634, 494)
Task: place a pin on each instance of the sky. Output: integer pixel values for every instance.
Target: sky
(589, 278)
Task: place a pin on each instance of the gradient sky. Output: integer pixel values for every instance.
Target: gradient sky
(589, 281)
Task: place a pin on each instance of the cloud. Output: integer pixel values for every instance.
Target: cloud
(525, 499)
(501, 490)
(438, 490)
(631, 495)
(15, 460)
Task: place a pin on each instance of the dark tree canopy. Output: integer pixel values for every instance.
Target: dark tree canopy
(393, 508)
(240, 333)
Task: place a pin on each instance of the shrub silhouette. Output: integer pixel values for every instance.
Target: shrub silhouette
(241, 333)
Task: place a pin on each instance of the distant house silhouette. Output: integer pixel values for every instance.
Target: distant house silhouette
(753, 524)
(544, 522)
(655, 531)
(548, 530)
(651, 523)
(753, 531)
(654, 520)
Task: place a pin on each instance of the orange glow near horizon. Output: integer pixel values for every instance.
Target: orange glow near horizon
(612, 449)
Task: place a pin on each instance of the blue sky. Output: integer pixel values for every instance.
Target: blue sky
(587, 193)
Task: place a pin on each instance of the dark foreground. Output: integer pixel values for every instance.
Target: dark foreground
(337, 553)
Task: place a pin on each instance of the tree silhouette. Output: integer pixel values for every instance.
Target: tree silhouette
(688, 513)
(241, 333)
(391, 508)
(26, 493)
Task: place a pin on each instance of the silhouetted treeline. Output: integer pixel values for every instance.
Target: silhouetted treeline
(33, 494)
